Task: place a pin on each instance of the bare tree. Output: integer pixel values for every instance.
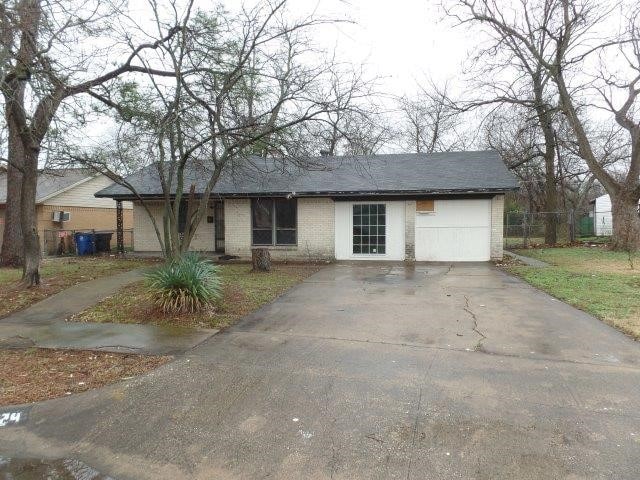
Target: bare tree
(512, 131)
(242, 83)
(357, 125)
(429, 121)
(42, 68)
(573, 29)
(352, 132)
(508, 74)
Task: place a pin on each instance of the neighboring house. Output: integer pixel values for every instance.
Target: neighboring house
(437, 207)
(65, 200)
(601, 214)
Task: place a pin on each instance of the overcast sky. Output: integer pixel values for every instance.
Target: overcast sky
(402, 41)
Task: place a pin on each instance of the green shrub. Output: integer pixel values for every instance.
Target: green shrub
(184, 285)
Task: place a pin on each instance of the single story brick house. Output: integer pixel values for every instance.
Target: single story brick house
(425, 207)
(65, 201)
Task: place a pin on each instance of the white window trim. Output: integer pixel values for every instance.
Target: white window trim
(386, 236)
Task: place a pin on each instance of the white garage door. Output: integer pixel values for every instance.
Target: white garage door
(457, 230)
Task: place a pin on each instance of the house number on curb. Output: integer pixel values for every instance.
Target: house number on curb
(10, 418)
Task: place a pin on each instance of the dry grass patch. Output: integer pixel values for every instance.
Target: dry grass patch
(35, 374)
(243, 292)
(57, 275)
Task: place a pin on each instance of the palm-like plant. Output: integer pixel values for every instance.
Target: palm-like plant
(184, 285)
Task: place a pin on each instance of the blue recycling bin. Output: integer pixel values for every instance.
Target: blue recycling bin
(85, 244)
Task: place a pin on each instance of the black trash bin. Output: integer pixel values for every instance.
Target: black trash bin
(103, 241)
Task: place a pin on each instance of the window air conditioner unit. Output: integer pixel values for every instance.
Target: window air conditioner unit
(60, 216)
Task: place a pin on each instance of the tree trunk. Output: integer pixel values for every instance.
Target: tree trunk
(261, 259)
(550, 201)
(626, 222)
(11, 253)
(31, 239)
(550, 181)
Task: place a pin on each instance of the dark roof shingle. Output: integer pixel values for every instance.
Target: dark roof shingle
(437, 173)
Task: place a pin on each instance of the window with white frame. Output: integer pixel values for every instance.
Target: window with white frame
(370, 228)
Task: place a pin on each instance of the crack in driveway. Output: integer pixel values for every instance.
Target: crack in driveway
(483, 337)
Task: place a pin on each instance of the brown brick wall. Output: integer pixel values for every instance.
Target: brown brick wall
(82, 218)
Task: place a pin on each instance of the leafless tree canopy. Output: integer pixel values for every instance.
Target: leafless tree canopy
(244, 85)
(50, 54)
(430, 121)
(572, 44)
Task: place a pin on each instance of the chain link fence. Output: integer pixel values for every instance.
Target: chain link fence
(524, 229)
(63, 242)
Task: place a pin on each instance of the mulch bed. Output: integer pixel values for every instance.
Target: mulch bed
(35, 374)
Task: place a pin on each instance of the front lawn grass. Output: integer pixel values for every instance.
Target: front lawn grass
(594, 279)
(35, 374)
(243, 292)
(56, 275)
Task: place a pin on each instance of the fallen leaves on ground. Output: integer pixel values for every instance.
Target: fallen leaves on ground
(58, 274)
(35, 374)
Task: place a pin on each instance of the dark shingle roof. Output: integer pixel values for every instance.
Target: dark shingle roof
(437, 173)
(50, 182)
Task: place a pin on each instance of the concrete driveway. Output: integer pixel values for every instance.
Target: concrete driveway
(371, 372)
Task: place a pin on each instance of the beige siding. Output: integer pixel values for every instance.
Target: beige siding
(316, 217)
(497, 225)
(146, 240)
(82, 195)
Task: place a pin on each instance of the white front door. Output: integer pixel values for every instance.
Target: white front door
(457, 230)
(369, 230)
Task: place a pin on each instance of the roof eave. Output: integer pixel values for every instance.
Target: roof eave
(335, 193)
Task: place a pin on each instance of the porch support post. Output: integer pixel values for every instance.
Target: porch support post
(119, 227)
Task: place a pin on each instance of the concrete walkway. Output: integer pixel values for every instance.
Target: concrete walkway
(370, 371)
(44, 324)
(532, 262)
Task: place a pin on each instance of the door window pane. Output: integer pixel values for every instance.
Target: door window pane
(369, 229)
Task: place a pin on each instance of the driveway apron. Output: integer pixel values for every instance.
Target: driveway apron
(371, 371)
